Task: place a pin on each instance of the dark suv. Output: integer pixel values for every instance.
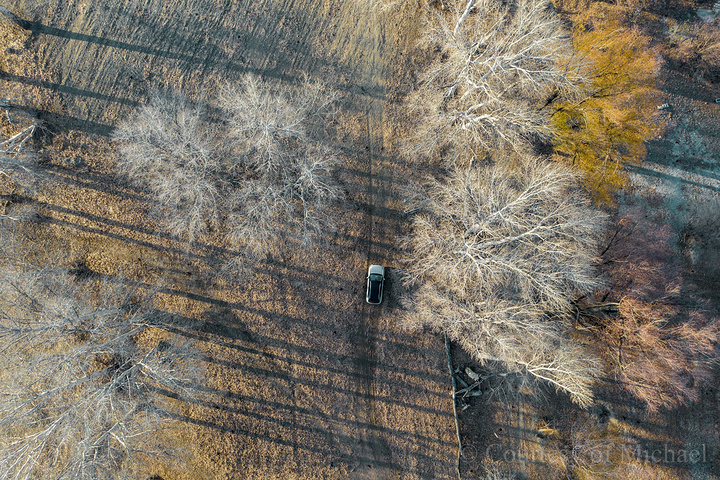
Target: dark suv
(375, 284)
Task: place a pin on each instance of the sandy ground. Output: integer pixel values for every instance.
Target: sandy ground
(304, 380)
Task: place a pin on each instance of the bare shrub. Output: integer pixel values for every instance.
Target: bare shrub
(659, 345)
(660, 362)
(501, 251)
(18, 163)
(87, 375)
(499, 64)
(287, 183)
(169, 148)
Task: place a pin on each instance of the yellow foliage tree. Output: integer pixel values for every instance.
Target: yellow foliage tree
(607, 128)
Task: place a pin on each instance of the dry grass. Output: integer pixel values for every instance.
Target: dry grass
(303, 381)
(13, 38)
(293, 363)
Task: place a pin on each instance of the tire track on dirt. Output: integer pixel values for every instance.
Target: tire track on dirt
(372, 71)
(373, 444)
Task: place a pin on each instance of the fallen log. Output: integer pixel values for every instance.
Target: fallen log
(454, 401)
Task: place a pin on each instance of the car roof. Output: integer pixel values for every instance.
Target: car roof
(374, 296)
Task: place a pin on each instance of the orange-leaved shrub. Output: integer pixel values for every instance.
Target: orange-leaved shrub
(607, 127)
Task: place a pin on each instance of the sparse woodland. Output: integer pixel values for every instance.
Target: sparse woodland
(90, 371)
(262, 177)
(502, 248)
(516, 250)
(505, 249)
(508, 256)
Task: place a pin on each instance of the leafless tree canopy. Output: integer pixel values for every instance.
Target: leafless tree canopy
(169, 148)
(269, 121)
(500, 253)
(18, 164)
(82, 375)
(288, 186)
(658, 340)
(266, 169)
(499, 64)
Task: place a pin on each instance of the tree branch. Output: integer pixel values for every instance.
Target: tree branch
(454, 401)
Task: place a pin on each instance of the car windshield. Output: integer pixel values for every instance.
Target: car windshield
(375, 277)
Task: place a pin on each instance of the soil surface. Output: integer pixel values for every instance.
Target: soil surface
(304, 379)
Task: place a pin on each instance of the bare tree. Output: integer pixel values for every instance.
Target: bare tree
(169, 148)
(18, 164)
(269, 122)
(658, 342)
(86, 375)
(499, 253)
(270, 174)
(499, 63)
(287, 186)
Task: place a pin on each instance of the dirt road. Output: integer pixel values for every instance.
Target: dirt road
(371, 78)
